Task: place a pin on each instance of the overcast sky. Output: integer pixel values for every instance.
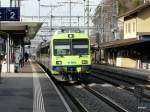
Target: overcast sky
(30, 7)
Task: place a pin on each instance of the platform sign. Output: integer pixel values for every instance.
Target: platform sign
(13, 14)
(2, 14)
(9, 14)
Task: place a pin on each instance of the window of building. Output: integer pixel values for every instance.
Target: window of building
(129, 28)
(133, 26)
(126, 28)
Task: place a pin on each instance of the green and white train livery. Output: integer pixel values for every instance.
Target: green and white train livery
(68, 56)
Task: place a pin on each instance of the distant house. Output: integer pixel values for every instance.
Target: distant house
(132, 49)
(137, 22)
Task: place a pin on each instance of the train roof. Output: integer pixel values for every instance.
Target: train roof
(71, 35)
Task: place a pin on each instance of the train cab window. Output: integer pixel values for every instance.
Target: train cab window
(61, 47)
(80, 46)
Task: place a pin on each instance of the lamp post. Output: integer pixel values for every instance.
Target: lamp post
(102, 24)
(19, 1)
(0, 54)
(88, 19)
(15, 3)
(0, 21)
(84, 13)
(51, 12)
(10, 3)
(88, 14)
(39, 9)
(70, 12)
(70, 2)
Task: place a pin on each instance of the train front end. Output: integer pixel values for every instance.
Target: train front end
(71, 57)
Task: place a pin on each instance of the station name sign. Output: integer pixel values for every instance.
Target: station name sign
(9, 13)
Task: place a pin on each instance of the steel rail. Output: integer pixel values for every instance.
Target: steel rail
(76, 102)
(107, 100)
(106, 78)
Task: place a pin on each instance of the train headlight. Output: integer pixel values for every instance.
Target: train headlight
(58, 62)
(84, 62)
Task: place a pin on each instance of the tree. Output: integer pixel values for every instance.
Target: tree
(127, 5)
(137, 3)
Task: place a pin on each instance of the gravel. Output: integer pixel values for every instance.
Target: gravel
(123, 97)
(92, 103)
(147, 92)
(127, 98)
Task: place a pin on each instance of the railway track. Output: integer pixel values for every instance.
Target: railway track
(127, 79)
(127, 84)
(76, 102)
(107, 100)
(80, 106)
(100, 96)
(59, 87)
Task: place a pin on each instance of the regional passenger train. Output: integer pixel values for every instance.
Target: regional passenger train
(67, 55)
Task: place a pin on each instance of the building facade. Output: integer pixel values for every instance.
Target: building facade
(131, 48)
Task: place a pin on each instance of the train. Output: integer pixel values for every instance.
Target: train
(66, 55)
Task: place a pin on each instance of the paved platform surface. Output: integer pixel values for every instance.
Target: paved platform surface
(30, 90)
(135, 73)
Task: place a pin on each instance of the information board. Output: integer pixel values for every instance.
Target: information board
(10, 14)
(2, 14)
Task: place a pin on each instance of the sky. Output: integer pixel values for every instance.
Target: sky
(30, 8)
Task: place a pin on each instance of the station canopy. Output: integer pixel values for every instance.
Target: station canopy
(20, 30)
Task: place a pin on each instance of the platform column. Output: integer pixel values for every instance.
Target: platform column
(106, 56)
(114, 57)
(23, 51)
(138, 64)
(95, 57)
(100, 55)
(8, 53)
(12, 51)
(109, 57)
(10, 3)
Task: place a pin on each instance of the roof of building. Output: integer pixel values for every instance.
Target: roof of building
(19, 30)
(125, 42)
(136, 10)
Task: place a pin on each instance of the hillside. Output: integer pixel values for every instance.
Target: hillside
(125, 5)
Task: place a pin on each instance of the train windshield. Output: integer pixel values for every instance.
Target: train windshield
(80, 46)
(61, 47)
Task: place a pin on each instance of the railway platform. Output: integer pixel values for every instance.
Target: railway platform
(133, 73)
(29, 90)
